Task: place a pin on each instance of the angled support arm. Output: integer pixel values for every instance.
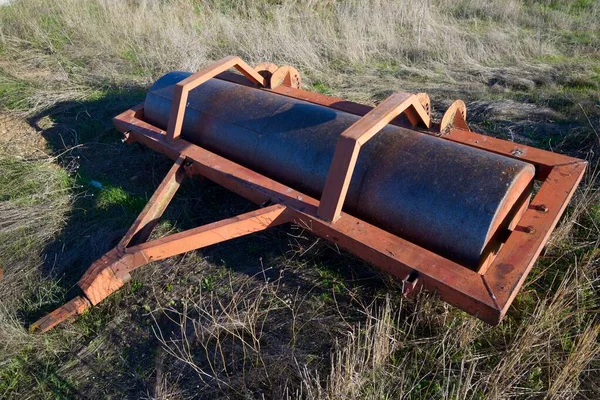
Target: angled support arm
(350, 142)
(110, 272)
(154, 209)
(183, 88)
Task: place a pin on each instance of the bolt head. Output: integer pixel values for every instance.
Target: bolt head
(542, 207)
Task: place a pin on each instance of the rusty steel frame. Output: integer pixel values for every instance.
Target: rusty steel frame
(486, 294)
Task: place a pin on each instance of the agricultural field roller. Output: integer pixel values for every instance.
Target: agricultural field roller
(437, 206)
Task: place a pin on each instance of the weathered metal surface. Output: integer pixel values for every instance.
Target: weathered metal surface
(439, 194)
(542, 160)
(183, 87)
(353, 139)
(486, 296)
(527, 240)
(455, 117)
(70, 309)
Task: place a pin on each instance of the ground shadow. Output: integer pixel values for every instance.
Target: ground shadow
(112, 182)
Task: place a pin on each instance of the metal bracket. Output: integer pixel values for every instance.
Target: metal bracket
(351, 140)
(410, 284)
(454, 117)
(183, 88)
(266, 69)
(285, 76)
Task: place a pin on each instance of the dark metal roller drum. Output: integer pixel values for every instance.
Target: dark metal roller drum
(444, 196)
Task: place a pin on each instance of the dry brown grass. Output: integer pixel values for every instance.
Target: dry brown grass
(392, 351)
(216, 325)
(34, 200)
(324, 38)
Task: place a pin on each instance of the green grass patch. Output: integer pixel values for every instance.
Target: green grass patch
(110, 196)
(36, 370)
(587, 38)
(321, 87)
(573, 8)
(31, 182)
(595, 213)
(15, 94)
(55, 29)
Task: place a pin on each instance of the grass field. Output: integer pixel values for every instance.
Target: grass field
(281, 314)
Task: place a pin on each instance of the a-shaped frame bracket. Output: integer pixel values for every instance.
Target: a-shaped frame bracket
(193, 81)
(112, 271)
(351, 140)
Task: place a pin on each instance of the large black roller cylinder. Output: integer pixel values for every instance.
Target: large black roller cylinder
(444, 196)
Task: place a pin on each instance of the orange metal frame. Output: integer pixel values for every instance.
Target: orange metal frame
(486, 294)
(348, 147)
